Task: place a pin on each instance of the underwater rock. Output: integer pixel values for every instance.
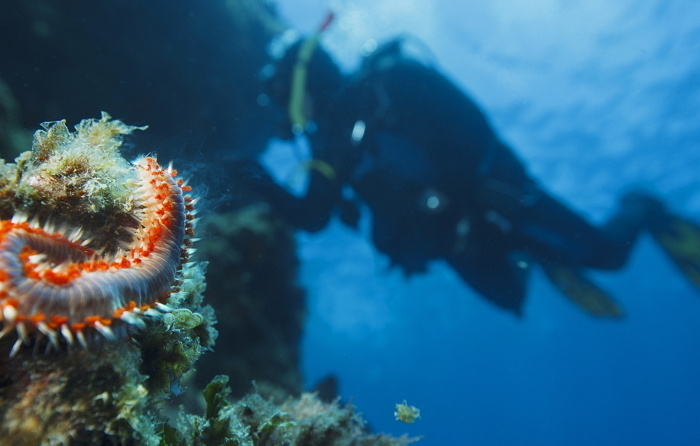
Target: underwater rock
(252, 421)
(13, 138)
(79, 397)
(252, 282)
(187, 68)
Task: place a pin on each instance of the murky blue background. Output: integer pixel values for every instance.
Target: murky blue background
(594, 96)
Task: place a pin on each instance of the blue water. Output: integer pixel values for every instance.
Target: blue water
(594, 96)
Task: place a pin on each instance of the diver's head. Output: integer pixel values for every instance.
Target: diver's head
(304, 82)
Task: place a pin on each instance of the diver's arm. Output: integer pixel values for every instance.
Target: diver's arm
(311, 212)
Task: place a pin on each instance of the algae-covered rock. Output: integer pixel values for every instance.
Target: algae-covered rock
(101, 379)
(253, 421)
(77, 397)
(76, 178)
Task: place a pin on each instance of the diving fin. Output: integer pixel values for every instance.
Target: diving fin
(680, 239)
(582, 291)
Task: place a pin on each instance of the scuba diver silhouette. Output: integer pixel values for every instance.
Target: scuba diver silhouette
(440, 184)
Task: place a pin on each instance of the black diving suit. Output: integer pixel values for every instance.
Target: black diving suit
(440, 184)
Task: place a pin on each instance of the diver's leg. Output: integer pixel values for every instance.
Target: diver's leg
(559, 235)
(564, 243)
(496, 277)
(548, 228)
(551, 230)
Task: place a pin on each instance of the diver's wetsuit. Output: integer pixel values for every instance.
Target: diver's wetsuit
(440, 184)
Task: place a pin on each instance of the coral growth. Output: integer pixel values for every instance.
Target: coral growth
(59, 290)
(252, 421)
(77, 398)
(77, 178)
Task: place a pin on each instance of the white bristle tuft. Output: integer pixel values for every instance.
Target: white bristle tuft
(81, 339)
(15, 348)
(164, 308)
(67, 334)
(131, 318)
(105, 331)
(75, 234)
(152, 312)
(19, 217)
(22, 332)
(9, 313)
(45, 329)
